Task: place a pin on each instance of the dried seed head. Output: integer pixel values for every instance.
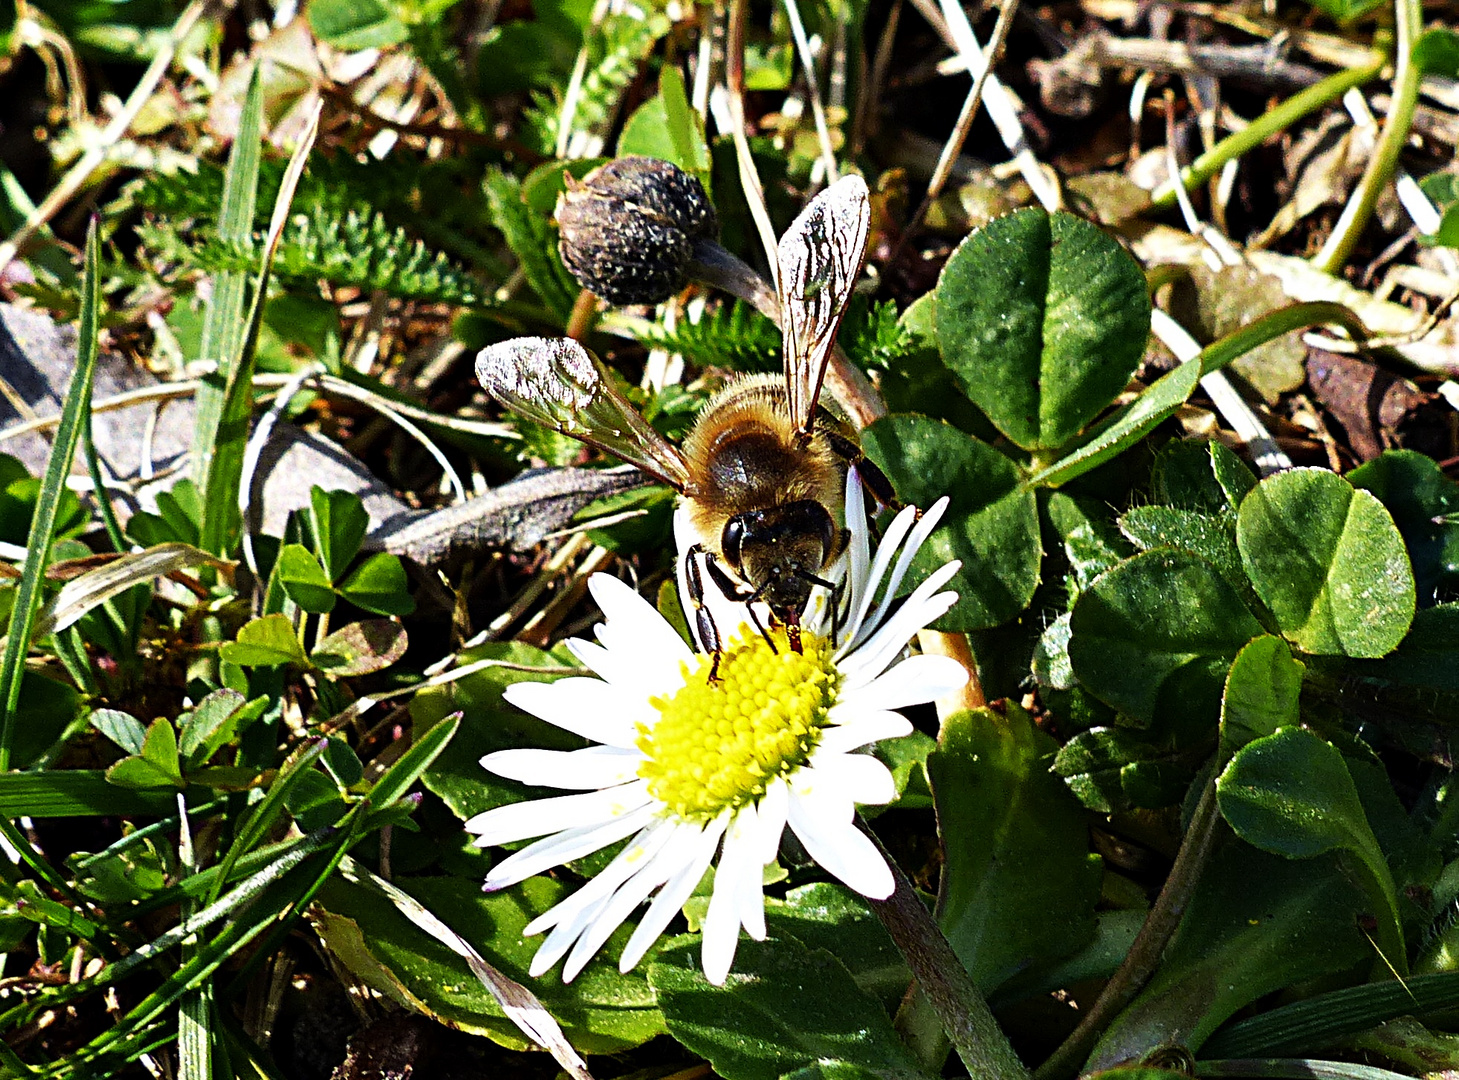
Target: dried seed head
(629, 227)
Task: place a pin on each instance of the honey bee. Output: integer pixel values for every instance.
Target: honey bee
(762, 473)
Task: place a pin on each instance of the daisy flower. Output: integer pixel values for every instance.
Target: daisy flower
(684, 767)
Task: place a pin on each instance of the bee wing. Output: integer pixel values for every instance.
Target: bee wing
(820, 257)
(559, 384)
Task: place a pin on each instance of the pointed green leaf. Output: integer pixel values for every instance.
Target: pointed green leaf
(379, 584)
(122, 728)
(265, 642)
(339, 521)
(303, 579)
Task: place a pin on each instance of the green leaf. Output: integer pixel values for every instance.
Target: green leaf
(122, 728)
(157, 766)
(1126, 427)
(412, 764)
(61, 793)
(1199, 475)
(1112, 769)
(1329, 563)
(1092, 542)
(360, 648)
(303, 579)
(1424, 503)
(352, 25)
(601, 1011)
(1290, 793)
(1325, 1018)
(533, 242)
(265, 642)
(1154, 636)
(1261, 694)
(223, 325)
(1016, 843)
(785, 1007)
(827, 915)
(1436, 52)
(215, 721)
(1257, 923)
(488, 724)
(338, 521)
(1043, 318)
(665, 127)
(1206, 535)
(991, 524)
(379, 584)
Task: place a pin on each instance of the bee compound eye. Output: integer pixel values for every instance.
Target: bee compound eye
(731, 540)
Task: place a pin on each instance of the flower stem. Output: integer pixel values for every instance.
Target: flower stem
(965, 1016)
(1144, 955)
(1408, 17)
(1267, 125)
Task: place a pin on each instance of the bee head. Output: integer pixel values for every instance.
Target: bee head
(780, 552)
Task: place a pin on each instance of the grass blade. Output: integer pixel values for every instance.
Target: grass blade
(223, 324)
(43, 525)
(221, 514)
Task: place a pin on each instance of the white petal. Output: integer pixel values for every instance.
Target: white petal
(701, 844)
(859, 778)
(887, 641)
(861, 729)
(915, 539)
(635, 628)
(618, 908)
(898, 529)
(915, 680)
(583, 770)
(537, 817)
(625, 672)
(588, 707)
(565, 846)
(774, 805)
(841, 849)
(859, 551)
(672, 855)
(635, 857)
(722, 922)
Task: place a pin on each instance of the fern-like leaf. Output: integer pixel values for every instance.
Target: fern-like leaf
(359, 250)
(534, 242)
(734, 336)
(616, 50)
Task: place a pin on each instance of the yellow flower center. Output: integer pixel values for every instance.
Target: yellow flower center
(720, 743)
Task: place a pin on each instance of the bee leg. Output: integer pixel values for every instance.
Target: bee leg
(733, 590)
(872, 478)
(708, 632)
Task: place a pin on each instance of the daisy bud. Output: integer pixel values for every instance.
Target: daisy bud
(629, 229)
